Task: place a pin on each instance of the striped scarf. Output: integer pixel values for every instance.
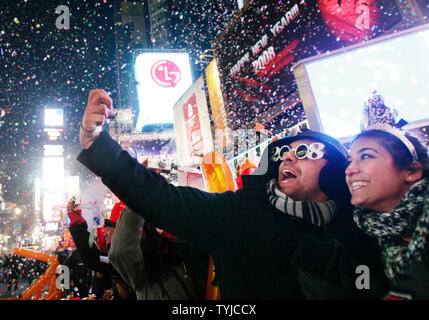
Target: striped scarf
(409, 218)
(317, 213)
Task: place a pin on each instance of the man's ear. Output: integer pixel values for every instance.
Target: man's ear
(415, 172)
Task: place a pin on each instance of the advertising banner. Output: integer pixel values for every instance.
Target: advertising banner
(215, 95)
(163, 77)
(223, 137)
(53, 187)
(54, 117)
(192, 125)
(256, 51)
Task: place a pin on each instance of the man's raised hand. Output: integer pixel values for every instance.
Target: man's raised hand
(96, 113)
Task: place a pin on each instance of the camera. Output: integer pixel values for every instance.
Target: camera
(74, 201)
(112, 114)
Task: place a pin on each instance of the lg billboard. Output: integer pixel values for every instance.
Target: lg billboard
(162, 78)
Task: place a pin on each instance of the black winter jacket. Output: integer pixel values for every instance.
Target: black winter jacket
(91, 254)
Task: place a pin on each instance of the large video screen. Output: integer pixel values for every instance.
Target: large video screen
(54, 117)
(163, 77)
(397, 68)
(257, 50)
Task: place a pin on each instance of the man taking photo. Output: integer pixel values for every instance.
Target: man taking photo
(298, 190)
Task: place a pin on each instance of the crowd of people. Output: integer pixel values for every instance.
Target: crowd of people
(15, 270)
(131, 259)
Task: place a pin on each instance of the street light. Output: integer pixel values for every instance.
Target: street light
(18, 210)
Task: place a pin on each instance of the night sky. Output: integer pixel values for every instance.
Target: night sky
(43, 66)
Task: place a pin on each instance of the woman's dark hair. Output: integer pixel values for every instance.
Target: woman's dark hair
(402, 158)
(160, 253)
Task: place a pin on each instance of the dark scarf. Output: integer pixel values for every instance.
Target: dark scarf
(409, 219)
(317, 213)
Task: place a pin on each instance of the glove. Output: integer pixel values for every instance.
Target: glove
(75, 217)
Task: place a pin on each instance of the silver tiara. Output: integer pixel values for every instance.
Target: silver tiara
(377, 116)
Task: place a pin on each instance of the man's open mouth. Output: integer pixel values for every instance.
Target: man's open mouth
(288, 174)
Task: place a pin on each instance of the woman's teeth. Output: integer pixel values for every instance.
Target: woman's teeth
(358, 185)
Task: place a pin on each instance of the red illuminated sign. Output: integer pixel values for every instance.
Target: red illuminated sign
(350, 20)
(165, 73)
(53, 134)
(192, 123)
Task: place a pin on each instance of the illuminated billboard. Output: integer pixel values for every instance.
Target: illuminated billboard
(162, 77)
(54, 117)
(394, 66)
(53, 202)
(51, 226)
(215, 95)
(53, 187)
(223, 137)
(192, 125)
(53, 134)
(53, 172)
(256, 51)
(53, 150)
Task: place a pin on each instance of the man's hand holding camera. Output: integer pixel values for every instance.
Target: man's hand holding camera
(74, 212)
(98, 111)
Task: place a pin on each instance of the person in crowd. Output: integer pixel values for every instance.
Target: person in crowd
(298, 189)
(19, 273)
(151, 261)
(388, 179)
(388, 176)
(156, 265)
(80, 275)
(96, 258)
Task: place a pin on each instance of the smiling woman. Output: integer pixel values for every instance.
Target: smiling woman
(388, 179)
(382, 169)
(368, 182)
